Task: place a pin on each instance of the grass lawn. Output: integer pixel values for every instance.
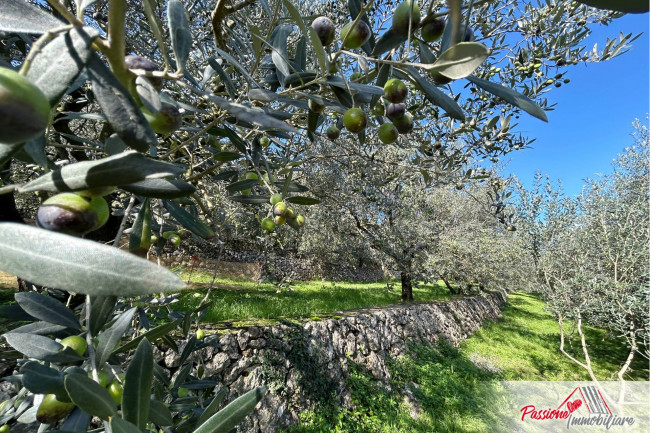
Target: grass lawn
(524, 345)
(456, 391)
(236, 301)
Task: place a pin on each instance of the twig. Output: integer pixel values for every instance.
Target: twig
(127, 211)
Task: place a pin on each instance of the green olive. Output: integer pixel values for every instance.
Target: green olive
(52, 410)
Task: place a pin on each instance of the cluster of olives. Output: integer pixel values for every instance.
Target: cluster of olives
(24, 109)
(352, 36)
(73, 213)
(173, 237)
(401, 122)
(529, 69)
(406, 16)
(558, 80)
(52, 409)
(281, 215)
(166, 120)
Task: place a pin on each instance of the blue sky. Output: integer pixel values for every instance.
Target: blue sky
(593, 118)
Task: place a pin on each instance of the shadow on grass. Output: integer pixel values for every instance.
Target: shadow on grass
(525, 343)
(446, 392)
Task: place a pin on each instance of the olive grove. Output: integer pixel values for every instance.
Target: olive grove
(213, 119)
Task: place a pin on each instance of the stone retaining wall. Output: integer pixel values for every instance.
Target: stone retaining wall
(237, 270)
(272, 267)
(301, 362)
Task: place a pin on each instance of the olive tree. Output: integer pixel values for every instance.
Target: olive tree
(167, 109)
(479, 244)
(382, 206)
(591, 252)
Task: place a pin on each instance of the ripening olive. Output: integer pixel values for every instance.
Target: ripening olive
(388, 133)
(404, 124)
(407, 13)
(300, 220)
(395, 91)
(315, 106)
(280, 208)
(175, 240)
(324, 28)
(268, 224)
(432, 29)
(356, 36)
(76, 343)
(139, 62)
(378, 109)
(72, 214)
(24, 109)
(440, 79)
(116, 391)
(169, 119)
(275, 199)
(52, 410)
(332, 132)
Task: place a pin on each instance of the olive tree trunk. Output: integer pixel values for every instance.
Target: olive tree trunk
(407, 286)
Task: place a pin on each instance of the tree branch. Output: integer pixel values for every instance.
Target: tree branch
(220, 11)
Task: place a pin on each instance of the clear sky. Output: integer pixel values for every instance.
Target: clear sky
(592, 121)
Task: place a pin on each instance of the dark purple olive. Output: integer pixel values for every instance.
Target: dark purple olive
(138, 62)
(395, 111)
(325, 30)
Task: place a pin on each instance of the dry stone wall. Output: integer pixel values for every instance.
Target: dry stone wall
(256, 267)
(302, 364)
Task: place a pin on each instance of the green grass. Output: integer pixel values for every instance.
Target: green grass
(244, 300)
(455, 394)
(524, 345)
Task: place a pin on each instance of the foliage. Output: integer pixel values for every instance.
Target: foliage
(147, 394)
(590, 253)
(201, 135)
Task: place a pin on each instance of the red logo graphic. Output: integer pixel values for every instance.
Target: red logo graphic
(573, 405)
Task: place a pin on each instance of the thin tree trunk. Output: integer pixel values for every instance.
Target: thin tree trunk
(587, 365)
(407, 286)
(451, 289)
